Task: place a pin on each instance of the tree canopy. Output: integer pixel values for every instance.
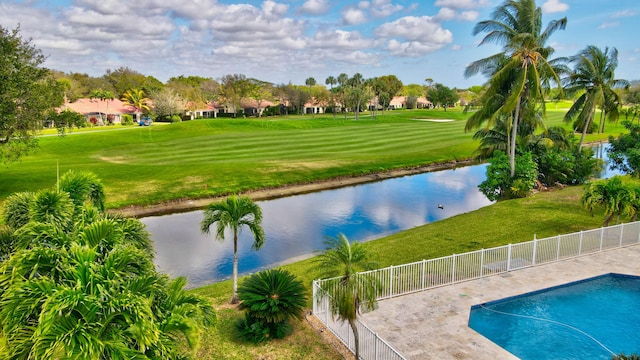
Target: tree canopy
(28, 92)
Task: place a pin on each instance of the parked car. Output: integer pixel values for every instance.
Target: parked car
(145, 121)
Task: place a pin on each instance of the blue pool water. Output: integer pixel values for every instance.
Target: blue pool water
(588, 319)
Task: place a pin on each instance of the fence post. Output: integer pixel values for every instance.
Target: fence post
(621, 231)
(535, 250)
(390, 281)
(481, 262)
(327, 309)
(375, 347)
(601, 237)
(558, 249)
(580, 244)
(453, 269)
(509, 258)
(424, 272)
(313, 294)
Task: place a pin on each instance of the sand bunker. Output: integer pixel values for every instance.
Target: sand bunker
(435, 120)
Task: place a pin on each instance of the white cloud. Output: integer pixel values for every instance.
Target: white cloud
(462, 4)
(554, 6)
(456, 47)
(420, 35)
(340, 39)
(445, 14)
(315, 7)
(384, 8)
(352, 16)
(468, 15)
(272, 9)
(625, 13)
(608, 25)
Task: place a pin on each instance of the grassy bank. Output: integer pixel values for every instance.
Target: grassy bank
(205, 158)
(543, 215)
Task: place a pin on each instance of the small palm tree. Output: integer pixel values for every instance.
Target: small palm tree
(16, 209)
(87, 288)
(137, 99)
(594, 74)
(83, 186)
(331, 81)
(271, 298)
(311, 82)
(613, 194)
(235, 212)
(349, 292)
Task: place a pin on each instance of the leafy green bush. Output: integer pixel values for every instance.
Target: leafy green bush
(126, 119)
(625, 150)
(270, 298)
(567, 166)
(499, 183)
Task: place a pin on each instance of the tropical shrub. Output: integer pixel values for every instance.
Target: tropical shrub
(126, 119)
(78, 283)
(270, 298)
(500, 185)
(624, 152)
(617, 198)
(569, 166)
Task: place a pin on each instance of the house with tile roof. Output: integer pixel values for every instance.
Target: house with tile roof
(99, 112)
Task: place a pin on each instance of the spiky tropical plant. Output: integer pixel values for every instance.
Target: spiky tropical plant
(82, 285)
(270, 298)
(83, 187)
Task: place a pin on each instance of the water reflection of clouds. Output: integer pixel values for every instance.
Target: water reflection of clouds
(298, 225)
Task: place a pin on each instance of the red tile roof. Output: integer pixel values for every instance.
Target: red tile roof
(86, 106)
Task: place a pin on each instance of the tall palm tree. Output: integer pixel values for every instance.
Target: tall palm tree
(523, 64)
(342, 81)
(235, 212)
(137, 99)
(617, 198)
(332, 81)
(348, 292)
(594, 73)
(311, 82)
(356, 92)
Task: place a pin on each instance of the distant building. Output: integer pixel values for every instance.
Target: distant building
(400, 102)
(101, 112)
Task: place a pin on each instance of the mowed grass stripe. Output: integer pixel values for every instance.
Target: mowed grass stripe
(211, 157)
(280, 144)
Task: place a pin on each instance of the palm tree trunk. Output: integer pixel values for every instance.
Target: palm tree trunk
(608, 219)
(584, 129)
(234, 298)
(356, 340)
(514, 132)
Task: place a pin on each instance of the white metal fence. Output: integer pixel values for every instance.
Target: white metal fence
(427, 274)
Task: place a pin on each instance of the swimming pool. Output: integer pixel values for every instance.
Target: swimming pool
(587, 319)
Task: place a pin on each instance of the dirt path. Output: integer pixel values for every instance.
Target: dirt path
(266, 194)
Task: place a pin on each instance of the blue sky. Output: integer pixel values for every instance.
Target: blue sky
(285, 41)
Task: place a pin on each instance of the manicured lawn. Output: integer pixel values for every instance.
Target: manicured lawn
(203, 158)
(543, 215)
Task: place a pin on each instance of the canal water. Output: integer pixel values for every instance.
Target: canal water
(297, 226)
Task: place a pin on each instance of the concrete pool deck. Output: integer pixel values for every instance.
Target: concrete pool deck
(433, 324)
